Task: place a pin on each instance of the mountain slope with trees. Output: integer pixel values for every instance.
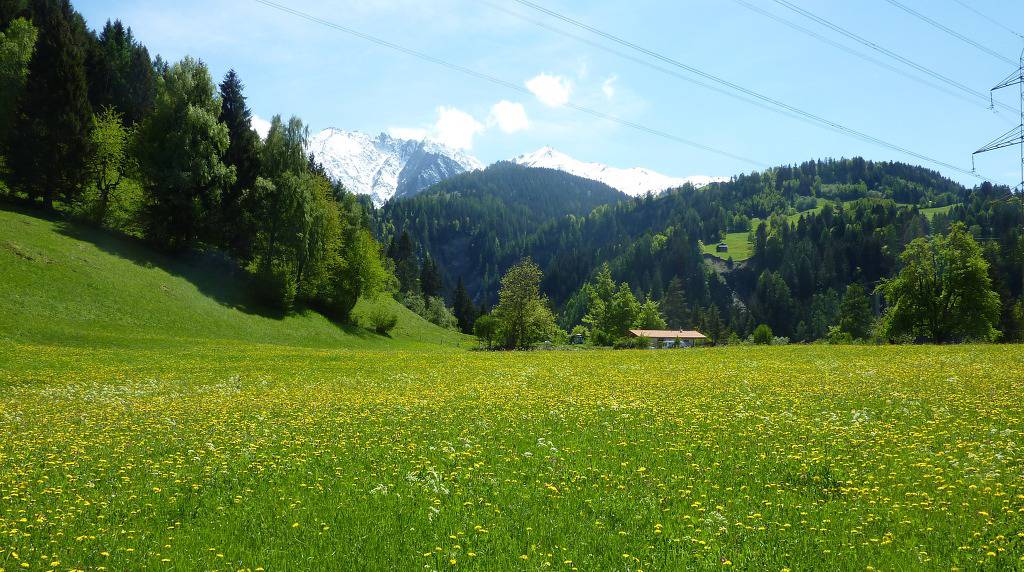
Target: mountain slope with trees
(474, 225)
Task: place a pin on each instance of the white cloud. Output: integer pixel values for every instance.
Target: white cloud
(551, 90)
(262, 126)
(608, 87)
(413, 133)
(456, 128)
(509, 117)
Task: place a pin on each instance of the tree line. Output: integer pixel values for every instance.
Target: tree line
(93, 126)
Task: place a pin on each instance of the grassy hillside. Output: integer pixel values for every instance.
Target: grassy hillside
(66, 283)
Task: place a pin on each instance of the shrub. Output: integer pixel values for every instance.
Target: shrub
(637, 343)
(439, 314)
(381, 321)
(486, 329)
(763, 335)
(837, 336)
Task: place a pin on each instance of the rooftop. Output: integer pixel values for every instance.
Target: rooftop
(672, 334)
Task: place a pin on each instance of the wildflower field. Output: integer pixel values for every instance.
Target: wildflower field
(232, 455)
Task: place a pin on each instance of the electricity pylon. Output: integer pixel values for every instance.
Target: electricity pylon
(1015, 137)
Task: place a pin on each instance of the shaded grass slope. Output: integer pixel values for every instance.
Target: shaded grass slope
(70, 284)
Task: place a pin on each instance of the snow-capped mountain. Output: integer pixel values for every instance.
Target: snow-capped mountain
(384, 166)
(634, 182)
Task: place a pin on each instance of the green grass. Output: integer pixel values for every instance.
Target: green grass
(739, 247)
(931, 212)
(238, 456)
(153, 429)
(67, 283)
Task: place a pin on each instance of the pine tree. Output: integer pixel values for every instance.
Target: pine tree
(17, 42)
(430, 278)
(855, 313)
(54, 112)
(465, 310)
(121, 73)
(405, 265)
(673, 305)
(237, 224)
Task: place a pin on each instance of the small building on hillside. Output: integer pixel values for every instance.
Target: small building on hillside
(722, 247)
(671, 338)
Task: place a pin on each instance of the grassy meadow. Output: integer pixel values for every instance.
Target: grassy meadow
(152, 420)
(236, 456)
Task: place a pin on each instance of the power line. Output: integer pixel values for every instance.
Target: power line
(949, 31)
(854, 52)
(651, 65)
(1015, 137)
(990, 19)
(503, 83)
(888, 52)
(749, 92)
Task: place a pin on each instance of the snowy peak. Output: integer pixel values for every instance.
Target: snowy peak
(634, 182)
(384, 166)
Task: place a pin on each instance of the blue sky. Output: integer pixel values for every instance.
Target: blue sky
(329, 79)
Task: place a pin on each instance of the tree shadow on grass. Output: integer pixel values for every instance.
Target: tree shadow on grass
(212, 272)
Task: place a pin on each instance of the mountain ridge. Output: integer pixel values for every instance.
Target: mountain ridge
(635, 181)
(384, 167)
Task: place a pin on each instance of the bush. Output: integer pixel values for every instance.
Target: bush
(381, 321)
(638, 343)
(836, 336)
(486, 329)
(439, 314)
(763, 335)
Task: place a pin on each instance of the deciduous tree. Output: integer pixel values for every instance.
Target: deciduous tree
(181, 148)
(522, 312)
(943, 292)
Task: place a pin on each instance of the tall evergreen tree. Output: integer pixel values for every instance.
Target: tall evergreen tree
(465, 310)
(855, 315)
(430, 278)
(54, 116)
(17, 42)
(237, 224)
(673, 305)
(405, 264)
(121, 73)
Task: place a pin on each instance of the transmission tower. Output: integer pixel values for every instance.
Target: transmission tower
(1015, 137)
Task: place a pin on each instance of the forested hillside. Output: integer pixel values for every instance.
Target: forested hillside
(474, 226)
(813, 230)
